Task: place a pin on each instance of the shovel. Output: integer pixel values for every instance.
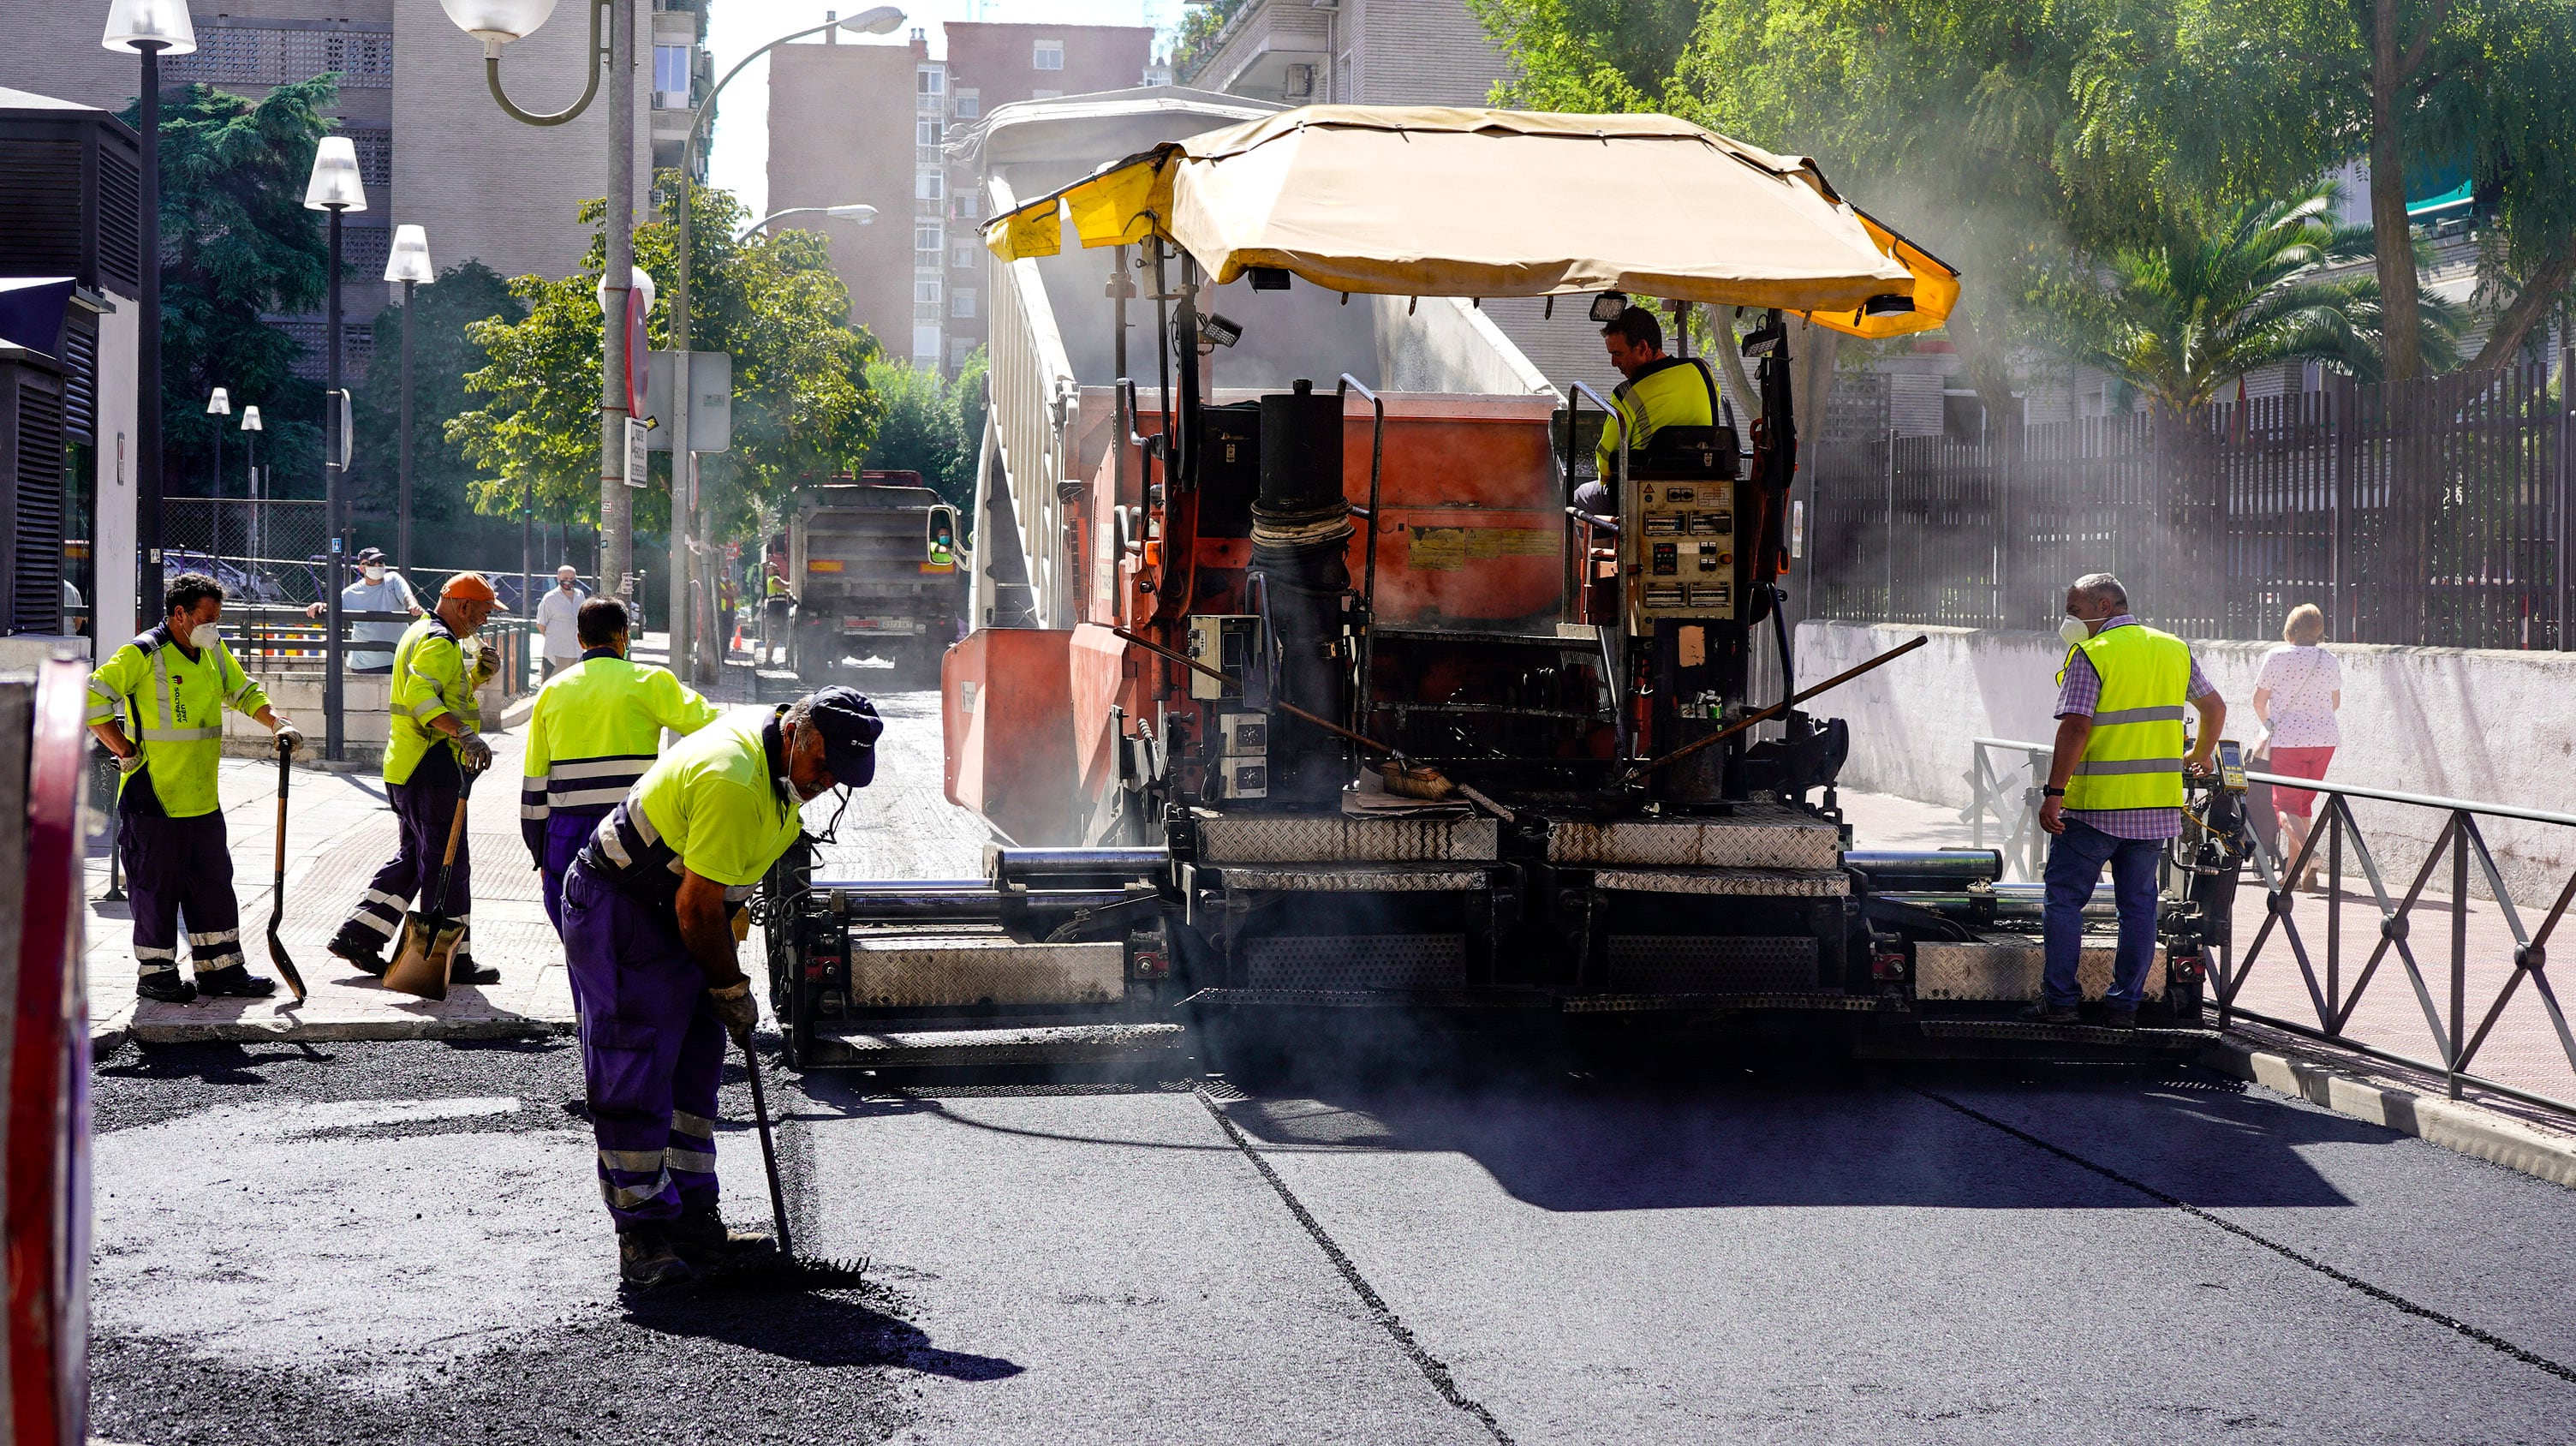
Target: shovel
(277, 890)
(426, 952)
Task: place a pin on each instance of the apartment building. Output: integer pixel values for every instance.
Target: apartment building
(868, 124)
(1390, 52)
(432, 146)
(992, 65)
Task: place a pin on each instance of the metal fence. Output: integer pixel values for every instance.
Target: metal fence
(2433, 512)
(2303, 954)
(271, 552)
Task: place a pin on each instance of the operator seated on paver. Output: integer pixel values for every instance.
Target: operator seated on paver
(378, 589)
(1660, 391)
(595, 729)
(173, 684)
(2114, 793)
(433, 737)
(652, 911)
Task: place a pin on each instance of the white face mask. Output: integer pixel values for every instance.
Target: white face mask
(374, 574)
(2074, 630)
(199, 635)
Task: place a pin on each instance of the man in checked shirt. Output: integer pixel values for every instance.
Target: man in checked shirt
(2114, 792)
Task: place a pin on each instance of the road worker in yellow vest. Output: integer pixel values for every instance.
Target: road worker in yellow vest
(171, 687)
(596, 727)
(1659, 391)
(2114, 793)
(433, 740)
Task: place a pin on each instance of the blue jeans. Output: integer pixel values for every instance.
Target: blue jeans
(2075, 860)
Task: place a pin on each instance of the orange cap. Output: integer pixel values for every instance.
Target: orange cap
(471, 586)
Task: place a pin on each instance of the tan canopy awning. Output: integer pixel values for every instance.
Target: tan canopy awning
(1427, 201)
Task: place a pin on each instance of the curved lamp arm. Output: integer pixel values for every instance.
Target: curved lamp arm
(598, 63)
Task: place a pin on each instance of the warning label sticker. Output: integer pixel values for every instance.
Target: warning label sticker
(1447, 549)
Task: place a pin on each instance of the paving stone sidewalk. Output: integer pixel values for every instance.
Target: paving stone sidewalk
(339, 830)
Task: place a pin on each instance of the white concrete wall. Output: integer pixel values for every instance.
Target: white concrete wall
(112, 556)
(2488, 726)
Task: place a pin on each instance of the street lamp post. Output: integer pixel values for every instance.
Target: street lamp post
(334, 187)
(151, 29)
(496, 23)
(220, 404)
(408, 263)
(254, 539)
(861, 214)
(883, 20)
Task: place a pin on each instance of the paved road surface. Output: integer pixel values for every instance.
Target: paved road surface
(350, 1242)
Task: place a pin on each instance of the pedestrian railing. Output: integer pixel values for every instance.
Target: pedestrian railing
(2462, 999)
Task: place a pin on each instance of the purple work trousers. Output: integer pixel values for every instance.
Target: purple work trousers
(175, 867)
(567, 829)
(651, 1052)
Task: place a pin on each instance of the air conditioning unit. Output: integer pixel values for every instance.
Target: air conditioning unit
(31, 492)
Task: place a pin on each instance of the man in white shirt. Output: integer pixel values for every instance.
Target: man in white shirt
(379, 589)
(558, 614)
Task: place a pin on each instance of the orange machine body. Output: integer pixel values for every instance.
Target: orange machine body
(1469, 531)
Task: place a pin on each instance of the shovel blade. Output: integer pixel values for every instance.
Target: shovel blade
(420, 963)
(285, 967)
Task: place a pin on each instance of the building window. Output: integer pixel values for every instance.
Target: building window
(1049, 56)
(925, 291)
(925, 345)
(933, 80)
(926, 238)
(929, 186)
(970, 102)
(961, 301)
(1046, 95)
(962, 255)
(925, 130)
(959, 349)
(670, 70)
(967, 205)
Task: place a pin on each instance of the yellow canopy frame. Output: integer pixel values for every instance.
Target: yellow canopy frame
(1426, 201)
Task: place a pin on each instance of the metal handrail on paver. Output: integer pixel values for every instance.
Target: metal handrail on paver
(2460, 1038)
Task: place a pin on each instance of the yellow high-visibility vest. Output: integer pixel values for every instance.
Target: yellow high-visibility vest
(2134, 757)
(1672, 392)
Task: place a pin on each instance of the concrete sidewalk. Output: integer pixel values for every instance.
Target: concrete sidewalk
(339, 830)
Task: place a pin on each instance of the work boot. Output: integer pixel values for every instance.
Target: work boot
(2114, 1017)
(465, 971)
(646, 1261)
(168, 986)
(705, 1241)
(235, 980)
(364, 952)
(2046, 1013)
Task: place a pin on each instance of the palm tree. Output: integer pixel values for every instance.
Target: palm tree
(2182, 318)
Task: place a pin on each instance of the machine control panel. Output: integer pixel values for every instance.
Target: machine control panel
(1227, 642)
(1681, 552)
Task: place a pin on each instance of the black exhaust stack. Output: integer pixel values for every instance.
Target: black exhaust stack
(1301, 532)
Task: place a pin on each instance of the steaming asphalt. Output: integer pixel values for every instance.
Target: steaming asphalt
(401, 1242)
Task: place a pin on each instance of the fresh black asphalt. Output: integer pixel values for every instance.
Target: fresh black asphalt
(401, 1242)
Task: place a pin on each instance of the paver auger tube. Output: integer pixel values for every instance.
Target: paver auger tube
(286, 969)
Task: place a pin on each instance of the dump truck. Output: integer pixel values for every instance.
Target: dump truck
(1299, 690)
(874, 566)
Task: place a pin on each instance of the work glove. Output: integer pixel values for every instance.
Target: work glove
(130, 762)
(487, 661)
(476, 753)
(289, 737)
(736, 1009)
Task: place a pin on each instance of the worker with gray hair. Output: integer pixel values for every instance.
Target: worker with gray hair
(2114, 793)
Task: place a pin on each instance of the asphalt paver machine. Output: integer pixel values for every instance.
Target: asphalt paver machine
(1301, 691)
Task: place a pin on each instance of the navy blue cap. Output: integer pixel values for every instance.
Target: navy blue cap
(849, 725)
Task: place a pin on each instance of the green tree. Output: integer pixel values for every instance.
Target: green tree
(1201, 22)
(2413, 86)
(927, 425)
(442, 354)
(1949, 119)
(2182, 318)
(802, 407)
(237, 244)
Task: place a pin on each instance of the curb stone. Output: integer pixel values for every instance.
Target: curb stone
(2464, 1128)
